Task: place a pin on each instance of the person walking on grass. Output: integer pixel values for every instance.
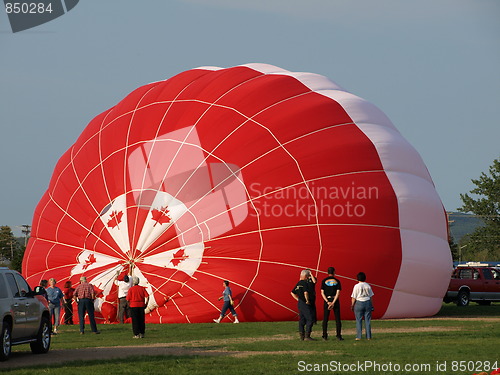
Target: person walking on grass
(54, 295)
(138, 299)
(227, 296)
(361, 304)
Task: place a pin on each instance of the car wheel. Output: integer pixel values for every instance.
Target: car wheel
(5, 340)
(42, 343)
(463, 298)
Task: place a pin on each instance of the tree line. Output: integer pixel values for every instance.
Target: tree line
(484, 202)
(11, 249)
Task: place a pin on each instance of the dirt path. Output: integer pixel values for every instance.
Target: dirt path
(190, 348)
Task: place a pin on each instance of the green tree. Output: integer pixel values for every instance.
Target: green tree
(453, 247)
(10, 248)
(17, 260)
(484, 243)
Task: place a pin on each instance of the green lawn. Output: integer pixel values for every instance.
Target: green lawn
(273, 348)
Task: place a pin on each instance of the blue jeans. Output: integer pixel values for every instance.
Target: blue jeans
(55, 311)
(227, 305)
(86, 305)
(363, 309)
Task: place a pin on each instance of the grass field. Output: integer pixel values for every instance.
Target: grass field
(413, 346)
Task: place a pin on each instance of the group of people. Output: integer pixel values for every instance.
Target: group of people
(57, 298)
(304, 293)
(132, 302)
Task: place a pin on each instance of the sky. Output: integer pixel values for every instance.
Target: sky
(432, 66)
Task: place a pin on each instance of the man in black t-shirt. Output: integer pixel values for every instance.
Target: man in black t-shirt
(301, 294)
(311, 282)
(330, 291)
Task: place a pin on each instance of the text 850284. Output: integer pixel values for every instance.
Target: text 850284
(28, 8)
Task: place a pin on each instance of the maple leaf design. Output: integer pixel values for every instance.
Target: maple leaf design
(179, 256)
(99, 293)
(115, 219)
(160, 216)
(89, 261)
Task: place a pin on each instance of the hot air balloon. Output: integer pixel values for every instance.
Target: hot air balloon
(248, 174)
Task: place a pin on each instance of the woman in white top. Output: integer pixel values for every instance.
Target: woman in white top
(361, 304)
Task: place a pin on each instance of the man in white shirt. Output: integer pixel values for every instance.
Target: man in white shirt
(123, 287)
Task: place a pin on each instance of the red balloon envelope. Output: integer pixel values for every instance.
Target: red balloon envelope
(248, 174)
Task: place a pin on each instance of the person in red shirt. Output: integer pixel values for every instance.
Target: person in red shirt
(68, 291)
(138, 299)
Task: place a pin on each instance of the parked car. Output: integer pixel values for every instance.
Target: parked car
(474, 282)
(24, 315)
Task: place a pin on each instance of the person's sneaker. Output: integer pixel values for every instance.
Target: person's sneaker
(141, 336)
(325, 338)
(340, 338)
(216, 321)
(136, 337)
(97, 332)
(82, 333)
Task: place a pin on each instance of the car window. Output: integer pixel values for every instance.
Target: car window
(466, 273)
(487, 274)
(12, 284)
(22, 284)
(496, 274)
(3, 288)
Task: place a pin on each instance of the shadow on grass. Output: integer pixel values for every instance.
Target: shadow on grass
(91, 356)
(131, 365)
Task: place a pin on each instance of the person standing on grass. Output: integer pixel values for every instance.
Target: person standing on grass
(138, 299)
(227, 296)
(68, 291)
(54, 295)
(312, 295)
(123, 287)
(330, 291)
(301, 294)
(361, 304)
(84, 295)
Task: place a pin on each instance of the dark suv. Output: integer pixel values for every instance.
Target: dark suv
(24, 315)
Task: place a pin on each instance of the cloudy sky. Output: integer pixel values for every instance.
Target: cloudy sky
(430, 65)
